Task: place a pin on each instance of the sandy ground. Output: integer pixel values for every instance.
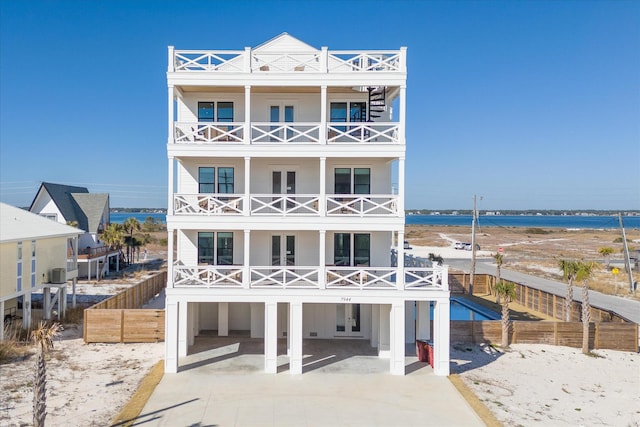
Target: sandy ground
(552, 386)
(530, 385)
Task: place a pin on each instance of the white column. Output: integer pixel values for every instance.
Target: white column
(384, 343)
(246, 211)
(223, 319)
(171, 336)
(324, 59)
(402, 101)
(400, 271)
(441, 329)
(183, 329)
(409, 322)
(401, 191)
(375, 325)
(323, 114)
(295, 335)
(271, 337)
(246, 275)
(322, 205)
(322, 272)
(423, 321)
(247, 115)
(74, 282)
(170, 244)
(170, 115)
(170, 191)
(247, 59)
(62, 302)
(46, 303)
(396, 361)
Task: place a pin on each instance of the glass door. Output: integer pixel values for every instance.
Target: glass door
(283, 250)
(280, 187)
(348, 320)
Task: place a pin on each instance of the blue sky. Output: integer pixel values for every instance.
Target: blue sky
(531, 105)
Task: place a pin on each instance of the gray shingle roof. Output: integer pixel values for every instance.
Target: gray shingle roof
(92, 206)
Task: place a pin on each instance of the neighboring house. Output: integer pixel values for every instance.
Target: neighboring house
(35, 255)
(69, 204)
(285, 158)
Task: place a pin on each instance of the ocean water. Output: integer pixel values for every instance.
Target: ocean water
(539, 221)
(535, 221)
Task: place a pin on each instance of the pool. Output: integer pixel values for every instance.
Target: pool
(462, 309)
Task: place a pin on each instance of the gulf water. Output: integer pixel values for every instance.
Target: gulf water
(540, 221)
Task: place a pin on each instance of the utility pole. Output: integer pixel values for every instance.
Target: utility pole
(627, 262)
(473, 246)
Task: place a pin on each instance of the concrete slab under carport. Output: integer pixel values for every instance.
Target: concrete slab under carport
(222, 383)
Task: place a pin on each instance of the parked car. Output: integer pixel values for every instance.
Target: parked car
(458, 245)
(468, 246)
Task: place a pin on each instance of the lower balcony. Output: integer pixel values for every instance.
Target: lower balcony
(299, 277)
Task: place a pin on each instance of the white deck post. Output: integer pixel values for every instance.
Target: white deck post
(403, 115)
(324, 59)
(271, 337)
(322, 271)
(171, 336)
(171, 60)
(323, 115)
(46, 303)
(247, 116)
(400, 267)
(423, 320)
(246, 269)
(183, 329)
(223, 319)
(295, 335)
(246, 211)
(396, 361)
(441, 329)
(384, 331)
(409, 321)
(375, 325)
(170, 277)
(74, 282)
(322, 202)
(247, 59)
(26, 310)
(170, 188)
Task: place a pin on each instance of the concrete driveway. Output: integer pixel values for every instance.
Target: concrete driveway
(222, 383)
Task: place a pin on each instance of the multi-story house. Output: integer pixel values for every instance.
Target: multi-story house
(286, 203)
(67, 204)
(36, 255)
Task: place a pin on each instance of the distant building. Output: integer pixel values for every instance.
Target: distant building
(67, 204)
(35, 255)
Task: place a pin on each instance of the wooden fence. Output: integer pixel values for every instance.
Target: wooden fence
(549, 304)
(119, 318)
(609, 335)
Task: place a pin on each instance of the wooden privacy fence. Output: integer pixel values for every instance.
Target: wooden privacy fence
(119, 318)
(543, 302)
(602, 335)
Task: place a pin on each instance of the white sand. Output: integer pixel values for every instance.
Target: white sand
(536, 384)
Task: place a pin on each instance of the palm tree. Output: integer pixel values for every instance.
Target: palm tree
(584, 273)
(507, 293)
(499, 260)
(113, 236)
(130, 225)
(43, 338)
(569, 268)
(606, 252)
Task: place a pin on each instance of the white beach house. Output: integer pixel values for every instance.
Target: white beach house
(286, 203)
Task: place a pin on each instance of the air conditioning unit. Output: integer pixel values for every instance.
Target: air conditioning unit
(58, 275)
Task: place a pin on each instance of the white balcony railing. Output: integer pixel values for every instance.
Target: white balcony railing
(207, 133)
(311, 61)
(369, 132)
(363, 205)
(308, 277)
(218, 276)
(280, 204)
(207, 204)
(287, 133)
(289, 277)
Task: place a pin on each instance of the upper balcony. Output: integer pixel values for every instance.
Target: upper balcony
(286, 133)
(322, 61)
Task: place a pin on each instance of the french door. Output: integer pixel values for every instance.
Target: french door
(283, 250)
(283, 182)
(348, 320)
(279, 114)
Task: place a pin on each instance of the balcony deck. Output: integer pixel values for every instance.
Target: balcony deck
(309, 277)
(299, 62)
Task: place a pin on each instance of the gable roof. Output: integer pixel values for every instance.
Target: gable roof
(284, 42)
(76, 204)
(18, 224)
